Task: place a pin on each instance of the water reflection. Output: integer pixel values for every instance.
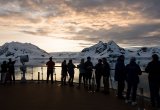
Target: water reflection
(32, 73)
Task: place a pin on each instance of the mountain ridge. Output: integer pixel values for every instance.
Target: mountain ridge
(14, 49)
(100, 49)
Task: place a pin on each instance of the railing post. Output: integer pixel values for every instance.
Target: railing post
(32, 73)
(42, 72)
(38, 77)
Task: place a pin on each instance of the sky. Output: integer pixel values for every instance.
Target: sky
(71, 25)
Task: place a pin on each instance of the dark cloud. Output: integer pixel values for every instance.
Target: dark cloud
(134, 33)
(149, 8)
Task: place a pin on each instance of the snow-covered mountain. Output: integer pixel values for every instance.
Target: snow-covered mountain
(111, 49)
(14, 49)
(103, 50)
(147, 51)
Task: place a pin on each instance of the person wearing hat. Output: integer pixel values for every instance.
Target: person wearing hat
(50, 67)
(132, 76)
(153, 68)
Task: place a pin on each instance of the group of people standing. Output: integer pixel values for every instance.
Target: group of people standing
(8, 71)
(130, 73)
(123, 74)
(102, 68)
(127, 73)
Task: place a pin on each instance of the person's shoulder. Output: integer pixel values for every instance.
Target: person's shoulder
(127, 65)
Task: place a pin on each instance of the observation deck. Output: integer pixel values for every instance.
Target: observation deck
(42, 96)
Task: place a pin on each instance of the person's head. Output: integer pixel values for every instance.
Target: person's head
(99, 61)
(64, 61)
(155, 57)
(121, 58)
(88, 58)
(104, 59)
(82, 60)
(133, 59)
(50, 58)
(10, 59)
(70, 61)
(4, 62)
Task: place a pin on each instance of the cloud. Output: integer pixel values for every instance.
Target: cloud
(132, 22)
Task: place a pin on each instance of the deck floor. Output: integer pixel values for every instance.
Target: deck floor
(32, 96)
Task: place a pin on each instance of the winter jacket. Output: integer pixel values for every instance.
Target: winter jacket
(98, 69)
(133, 71)
(106, 70)
(153, 68)
(81, 68)
(120, 74)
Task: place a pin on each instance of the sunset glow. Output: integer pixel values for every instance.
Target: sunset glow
(71, 25)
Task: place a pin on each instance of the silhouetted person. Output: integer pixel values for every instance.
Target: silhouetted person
(106, 75)
(50, 69)
(98, 73)
(71, 67)
(120, 75)
(23, 68)
(3, 72)
(64, 72)
(88, 69)
(11, 69)
(132, 71)
(153, 68)
(82, 72)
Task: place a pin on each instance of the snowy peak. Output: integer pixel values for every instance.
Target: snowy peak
(103, 49)
(14, 49)
(111, 49)
(97, 48)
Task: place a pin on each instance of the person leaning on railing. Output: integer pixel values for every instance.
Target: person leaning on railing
(120, 76)
(132, 71)
(88, 70)
(64, 72)
(98, 73)
(11, 69)
(153, 68)
(71, 67)
(3, 72)
(106, 75)
(50, 68)
(82, 72)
